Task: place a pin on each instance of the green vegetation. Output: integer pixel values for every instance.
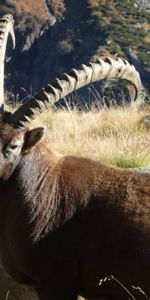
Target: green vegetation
(124, 26)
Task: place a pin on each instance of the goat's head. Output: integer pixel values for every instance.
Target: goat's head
(13, 144)
(15, 138)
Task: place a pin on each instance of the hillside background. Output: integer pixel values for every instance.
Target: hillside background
(54, 35)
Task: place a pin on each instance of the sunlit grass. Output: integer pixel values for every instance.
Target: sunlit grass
(116, 136)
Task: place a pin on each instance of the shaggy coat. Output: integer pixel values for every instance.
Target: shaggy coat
(67, 222)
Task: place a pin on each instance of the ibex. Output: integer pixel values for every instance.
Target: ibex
(67, 222)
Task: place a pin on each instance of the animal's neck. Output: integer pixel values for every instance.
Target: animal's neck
(31, 189)
(37, 179)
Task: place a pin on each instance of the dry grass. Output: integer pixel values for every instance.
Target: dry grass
(39, 8)
(116, 136)
(34, 8)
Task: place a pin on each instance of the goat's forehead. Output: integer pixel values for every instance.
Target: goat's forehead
(7, 132)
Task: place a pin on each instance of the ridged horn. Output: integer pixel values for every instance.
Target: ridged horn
(101, 69)
(6, 28)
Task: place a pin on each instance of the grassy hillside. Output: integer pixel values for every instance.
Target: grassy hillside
(116, 136)
(125, 25)
(34, 7)
(82, 30)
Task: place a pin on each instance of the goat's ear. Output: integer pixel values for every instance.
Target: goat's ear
(32, 137)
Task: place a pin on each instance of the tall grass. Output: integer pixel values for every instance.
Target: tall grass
(116, 136)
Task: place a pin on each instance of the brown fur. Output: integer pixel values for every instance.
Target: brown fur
(66, 222)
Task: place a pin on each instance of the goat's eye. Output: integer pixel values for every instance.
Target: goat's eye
(12, 147)
(9, 149)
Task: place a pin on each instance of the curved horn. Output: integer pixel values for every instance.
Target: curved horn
(6, 27)
(73, 80)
